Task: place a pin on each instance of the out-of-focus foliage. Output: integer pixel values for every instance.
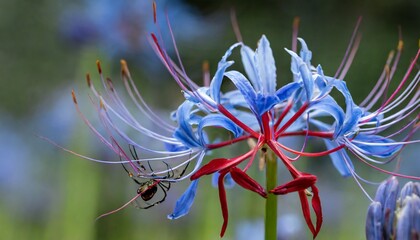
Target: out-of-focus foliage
(49, 194)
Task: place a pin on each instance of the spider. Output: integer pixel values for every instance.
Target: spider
(149, 189)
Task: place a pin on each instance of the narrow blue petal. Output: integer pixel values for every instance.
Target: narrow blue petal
(217, 120)
(248, 60)
(339, 158)
(200, 95)
(184, 203)
(305, 53)
(244, 87)
(302, 72)
(216, 82)
(353, 112)
(184, 132)
(266, 66)
(330, 106)
(376, 145)
(287, 91)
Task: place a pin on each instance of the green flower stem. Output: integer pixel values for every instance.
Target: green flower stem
(271, 202)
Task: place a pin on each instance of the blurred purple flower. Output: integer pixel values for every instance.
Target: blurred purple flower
(394, 215)
(120, 28)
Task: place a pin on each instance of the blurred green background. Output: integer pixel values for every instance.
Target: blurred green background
(47, 193)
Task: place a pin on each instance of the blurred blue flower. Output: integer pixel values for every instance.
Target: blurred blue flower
(120, 28)
(394, 215)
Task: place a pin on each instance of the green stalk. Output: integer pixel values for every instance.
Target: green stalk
(271, 202)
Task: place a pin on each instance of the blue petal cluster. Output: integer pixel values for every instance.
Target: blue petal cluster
(257, 93)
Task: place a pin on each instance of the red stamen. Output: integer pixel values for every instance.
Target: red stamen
(98, 66)
(220, 164)
(154, 12)
(292, 119)
(310, 154)
(296, 22)
(266, 125)
(242, 125)
(308, 133)
(229, 142)
(283, 114)
(273, 145)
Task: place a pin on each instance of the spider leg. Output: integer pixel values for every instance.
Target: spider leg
(165, 187)
(134, 154)
(129, 173)
(183, 171)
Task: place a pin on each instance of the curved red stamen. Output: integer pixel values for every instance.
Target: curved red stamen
(292, 119)
(311, 154)
(308, 133)
(226, 143)
(242, 125)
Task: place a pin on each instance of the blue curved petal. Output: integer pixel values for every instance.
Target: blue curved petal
(330, 106)
(376, 145)
(353, 112)
(286, 91)
(301, 72)
(266, 66)
(199, 96)
(245, 88)
(184, 132)
(217, 120)
(216, 82)
(184, 203)
(305, 53)
(339, 159)
(258, 103)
